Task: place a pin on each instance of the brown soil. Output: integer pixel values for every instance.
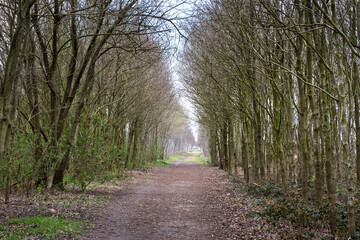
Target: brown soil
(184, 201)
(180, 202)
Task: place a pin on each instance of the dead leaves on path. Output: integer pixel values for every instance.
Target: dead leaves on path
(237, 212)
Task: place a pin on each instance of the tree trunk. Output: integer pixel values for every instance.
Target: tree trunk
(212, 145)
(225, 144)
(8, 108)
(302, 112)
(245, 156)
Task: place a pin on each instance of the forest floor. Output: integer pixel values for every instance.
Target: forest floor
(183, 201)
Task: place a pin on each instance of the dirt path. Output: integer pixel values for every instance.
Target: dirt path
(180, 202)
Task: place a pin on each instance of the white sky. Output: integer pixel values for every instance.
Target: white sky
(184, 11)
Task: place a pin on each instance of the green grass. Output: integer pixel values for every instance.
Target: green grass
(160, 163)
(176, 157)
(47, 227)
(169, 160)
(197, 157)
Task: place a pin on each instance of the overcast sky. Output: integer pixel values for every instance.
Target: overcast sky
(183, 12)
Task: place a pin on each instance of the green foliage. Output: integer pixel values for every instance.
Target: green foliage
(92, 158)
(47, 227)
(22, 161)
(156, 152)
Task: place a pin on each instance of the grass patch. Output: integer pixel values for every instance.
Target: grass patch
(197, 157)
(160, 163)
(47, 227)
(194, 156)
(169, 160)
(176, 157)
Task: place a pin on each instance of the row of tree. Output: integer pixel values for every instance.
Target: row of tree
(276, 86)
(85, 90)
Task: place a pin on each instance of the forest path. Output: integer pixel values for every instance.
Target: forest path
(180, 202)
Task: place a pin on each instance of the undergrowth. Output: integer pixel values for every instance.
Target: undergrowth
(291, 207)
(160, 163)
(39, 227)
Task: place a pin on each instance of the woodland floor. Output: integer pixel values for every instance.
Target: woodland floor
(184, 201)
(179, 202)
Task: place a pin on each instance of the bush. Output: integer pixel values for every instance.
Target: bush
(22, 164)
(92, 159)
